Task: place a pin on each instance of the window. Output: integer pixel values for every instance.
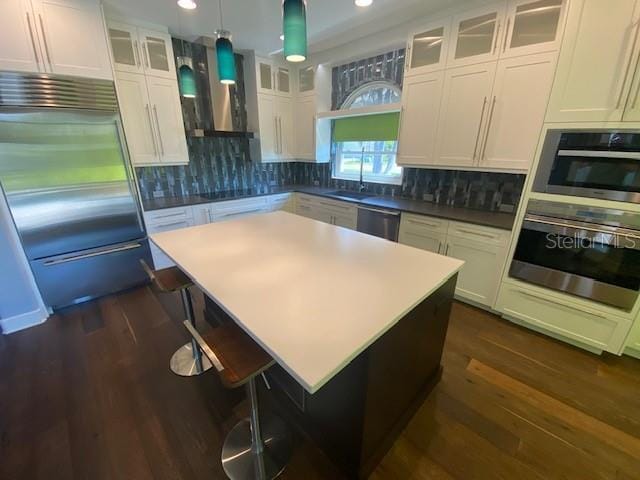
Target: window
(370, 139)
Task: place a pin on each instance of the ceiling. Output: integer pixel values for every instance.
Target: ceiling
(257, 24)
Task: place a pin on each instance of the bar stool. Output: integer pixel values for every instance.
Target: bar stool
(254, 448)
(187, 361)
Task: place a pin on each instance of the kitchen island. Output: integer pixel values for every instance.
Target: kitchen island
(357, 322)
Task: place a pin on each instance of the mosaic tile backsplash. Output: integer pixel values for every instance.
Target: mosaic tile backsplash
(224, 164)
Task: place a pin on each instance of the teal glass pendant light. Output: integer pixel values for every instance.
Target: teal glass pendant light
(186, 77)
(224, 54)
(294, 18)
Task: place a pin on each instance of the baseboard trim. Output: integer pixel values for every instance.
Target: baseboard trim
(23, 321)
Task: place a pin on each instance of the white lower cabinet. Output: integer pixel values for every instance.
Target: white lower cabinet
(335, 212)
(282, 201)
(164, 221)
(423, 232)
(552, 313)
(633, 342)
(230, 209)
(483, 249)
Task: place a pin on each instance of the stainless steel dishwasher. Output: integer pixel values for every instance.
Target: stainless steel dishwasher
(378, 222)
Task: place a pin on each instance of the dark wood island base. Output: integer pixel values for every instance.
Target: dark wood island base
(356, 417)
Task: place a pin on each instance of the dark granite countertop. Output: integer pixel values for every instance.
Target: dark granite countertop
(462, 214)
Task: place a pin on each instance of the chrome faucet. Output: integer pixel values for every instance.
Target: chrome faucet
(362, 185)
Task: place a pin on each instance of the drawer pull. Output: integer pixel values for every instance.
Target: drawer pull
(333, 205)
(426, 224)
(170, 215)
(553, 302)
(479, 234)
(243, 212)
(173, 224)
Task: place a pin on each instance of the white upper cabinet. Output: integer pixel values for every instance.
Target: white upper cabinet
(73, 37)
(267, 123)
(427, 48)
(476, 35)
(157, 53)
(283, 80)
(265, 76)
(273, 78)
(463, 112)
(64, 37)
(421, 97)
(125, 47)
(166, 113)
(306, 80)
(533, 26)
(596, 63)
(140, 50)
(516, 114)
(305, 128)
(137, 119)
(19, 47)
(285, 129)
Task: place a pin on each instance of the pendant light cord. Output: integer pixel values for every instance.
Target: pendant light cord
(221, 17)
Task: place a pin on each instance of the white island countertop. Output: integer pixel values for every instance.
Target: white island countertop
(311, 294)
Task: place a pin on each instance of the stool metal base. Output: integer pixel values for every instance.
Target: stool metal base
(240, 462)
(184, 364)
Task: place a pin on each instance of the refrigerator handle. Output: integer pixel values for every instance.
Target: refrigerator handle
(131, 177)
(73, 258)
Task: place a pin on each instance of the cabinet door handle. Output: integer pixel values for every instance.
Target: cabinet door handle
(153, 135)
(475, 148)
(280, 129)
(446, 252)
(408, 57)
(424, 224)
(46, 44)
(626, 71)
(553, 302)
(147, 61)
(135, 53)
(489, 121)
(33, 43)
(439, 247)
(506, 35)
(155, 114)
(275, 134)
(495, 42)
(479, 234)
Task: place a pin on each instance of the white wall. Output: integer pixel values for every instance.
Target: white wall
(20, 302)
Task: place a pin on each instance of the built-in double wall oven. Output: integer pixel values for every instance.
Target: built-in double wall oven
(579, 247)
(601, 164)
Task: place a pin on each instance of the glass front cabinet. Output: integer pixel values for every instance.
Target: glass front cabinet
(138, 50)
(499, 30)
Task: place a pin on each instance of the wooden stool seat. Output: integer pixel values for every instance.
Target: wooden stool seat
(236, 356)
(167, 280)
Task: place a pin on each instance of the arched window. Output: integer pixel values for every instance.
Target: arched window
(373, 93)
(378, 158)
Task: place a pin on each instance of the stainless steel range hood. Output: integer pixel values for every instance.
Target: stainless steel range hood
(226, 118)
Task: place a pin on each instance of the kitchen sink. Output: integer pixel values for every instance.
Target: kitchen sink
(350, 194)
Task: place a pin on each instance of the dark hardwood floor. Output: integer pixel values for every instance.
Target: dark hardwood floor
(88, 395)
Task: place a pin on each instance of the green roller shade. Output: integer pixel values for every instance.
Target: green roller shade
(367, 128)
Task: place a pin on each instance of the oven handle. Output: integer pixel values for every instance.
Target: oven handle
(578, 226)
(599, 154)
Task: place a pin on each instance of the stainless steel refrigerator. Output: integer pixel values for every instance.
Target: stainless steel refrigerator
(65, 175)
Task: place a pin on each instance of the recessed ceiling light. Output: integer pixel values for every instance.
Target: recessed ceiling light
(187, 4)
(363, 3)
(282, 36)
